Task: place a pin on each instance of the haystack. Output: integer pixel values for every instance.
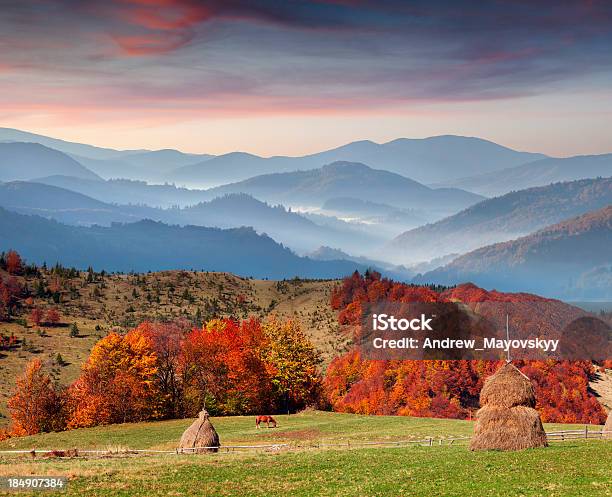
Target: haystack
(608, 426)
(201, 433)
(507, 419)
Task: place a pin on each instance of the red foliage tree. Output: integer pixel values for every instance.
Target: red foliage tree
(10, 291)
(36, 316)
(13, 262)
(52, 317)
(222, 368)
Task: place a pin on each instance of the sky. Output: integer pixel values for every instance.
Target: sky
(292, 77)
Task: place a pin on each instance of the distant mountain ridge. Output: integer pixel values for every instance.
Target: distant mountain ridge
(426, 160)
(501, 218)
(24, 161)
(107, 162)
(16, 135)
(290, 228)
(346, 179)
(148, 165)
(538, 173)
(66, 206)
(153, 246)
(399, 273)
(124, 191)
(570, 259)
(230, 211)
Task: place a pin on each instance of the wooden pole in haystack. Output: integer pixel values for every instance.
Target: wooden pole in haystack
(507, 419)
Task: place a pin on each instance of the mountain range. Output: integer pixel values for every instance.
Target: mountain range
(151, 165)
(425, 160)
(230, 211)
(366, 199)
(501, 219)
(571, 259)
(538, 173)
(314, 187)
(125, 191)
(22, 161)
(108, 163)
(153, 246)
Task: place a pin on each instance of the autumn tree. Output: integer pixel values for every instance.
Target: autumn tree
(52, 317)
(10, 291)
(167, 340)
(13, 262)
(36, 316)
(293, 363)
(117, 383)
(222, 368)
(36, 404)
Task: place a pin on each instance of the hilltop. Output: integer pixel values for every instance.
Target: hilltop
(349, 179)
(502, 218)
(569, 259)
(22, 161)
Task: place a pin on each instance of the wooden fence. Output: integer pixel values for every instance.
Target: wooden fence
(554, 436)
(562, 436)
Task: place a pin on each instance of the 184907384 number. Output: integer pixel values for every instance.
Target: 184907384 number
(33, 482)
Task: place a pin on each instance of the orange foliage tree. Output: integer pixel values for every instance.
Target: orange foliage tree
(36, 404)
(13, 262)
(117, 383)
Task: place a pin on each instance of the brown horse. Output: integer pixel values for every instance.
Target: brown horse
(265, 419)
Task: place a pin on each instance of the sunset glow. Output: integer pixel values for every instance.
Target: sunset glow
(295, 77)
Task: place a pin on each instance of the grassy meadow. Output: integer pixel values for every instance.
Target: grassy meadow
(305, 469)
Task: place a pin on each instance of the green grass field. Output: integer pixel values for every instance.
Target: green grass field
(569, 468)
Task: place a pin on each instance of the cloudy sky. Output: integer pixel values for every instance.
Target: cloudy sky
(291, 77)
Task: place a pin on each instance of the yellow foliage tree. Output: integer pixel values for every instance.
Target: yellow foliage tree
(293, 363)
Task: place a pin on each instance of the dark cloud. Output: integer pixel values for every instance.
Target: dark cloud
(325, 50)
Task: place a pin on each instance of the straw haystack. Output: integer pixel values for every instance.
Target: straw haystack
(608, 426)
(201, 433)
(507, 419)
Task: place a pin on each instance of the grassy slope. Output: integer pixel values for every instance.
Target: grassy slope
(110, 304)
(570, 468)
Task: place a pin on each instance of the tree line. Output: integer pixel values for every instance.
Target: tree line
(447, 389)
(168, 370)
